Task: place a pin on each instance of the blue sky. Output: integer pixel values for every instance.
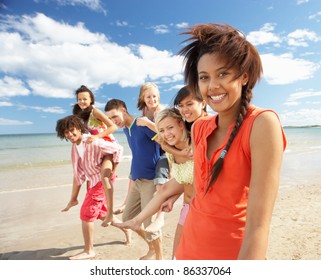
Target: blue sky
(51, 47)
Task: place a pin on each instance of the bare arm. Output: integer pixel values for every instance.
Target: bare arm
(266, 144)
(144, 121)
(111, 127)
(169, 189)
(187, 152)
(167, 206)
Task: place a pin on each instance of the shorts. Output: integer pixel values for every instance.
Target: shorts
(138, 197)
(94, 206)
(183, 214)
(161, 171)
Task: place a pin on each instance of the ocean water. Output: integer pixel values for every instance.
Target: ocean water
(35, 160)
(33, 150)
(302, 158)
(28, 161)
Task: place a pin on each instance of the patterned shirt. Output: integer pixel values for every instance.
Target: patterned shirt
(89, 168)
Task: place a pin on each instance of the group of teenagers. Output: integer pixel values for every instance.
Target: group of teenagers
(226, 165)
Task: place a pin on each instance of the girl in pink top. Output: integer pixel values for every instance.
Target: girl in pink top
(237, 153)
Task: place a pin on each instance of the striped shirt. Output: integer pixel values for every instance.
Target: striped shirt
(89, 168)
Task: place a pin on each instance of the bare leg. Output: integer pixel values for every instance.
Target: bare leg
(158, 223)
(170, 188)
(106, 172)
(152, 250)
(127, 232)
(88, 235)
(157, 243)
(177, 237)
(121, 208)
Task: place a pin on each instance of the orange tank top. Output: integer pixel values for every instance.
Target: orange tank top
(214, 227)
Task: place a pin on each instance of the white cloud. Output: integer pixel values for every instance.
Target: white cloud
(40, 29)
(121, 23)
(95, 5)
(182, 25)
(300, 37)
(316, 16)
(158, 63)
(5, 104)
(12, 87)
(264, 36)
(303, 94)
(54, 110)
(284, 69)
(292, 103)
(300, 2)
(160, 29)
(301, 117)
(13, 122)
(56, 57)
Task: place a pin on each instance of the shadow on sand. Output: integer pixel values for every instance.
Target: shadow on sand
(48, 254)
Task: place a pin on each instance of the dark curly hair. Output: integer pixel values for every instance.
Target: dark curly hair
(68, 123)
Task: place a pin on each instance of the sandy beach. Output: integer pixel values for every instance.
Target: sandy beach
(34, 228)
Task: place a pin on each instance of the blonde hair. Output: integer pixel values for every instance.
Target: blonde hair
(175, 114)
(149, 85)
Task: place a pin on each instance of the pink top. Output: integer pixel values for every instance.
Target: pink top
(90, 166)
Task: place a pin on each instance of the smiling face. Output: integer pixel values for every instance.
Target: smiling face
(151, 98)
(191, 108)
(171, 131)
(73, 135)
(84, 99)
(217, 84)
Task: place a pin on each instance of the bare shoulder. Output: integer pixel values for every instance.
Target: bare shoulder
(265, 120)
(266, 126)
(97, 113)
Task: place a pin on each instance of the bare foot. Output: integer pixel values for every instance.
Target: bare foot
(69, 205)
(130, 224)
(108, 220)
(149, 255)
(83, 256)
(128, 233)
(119, 210)
(155, 226)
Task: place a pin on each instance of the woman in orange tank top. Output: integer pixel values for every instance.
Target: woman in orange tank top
(237, 153)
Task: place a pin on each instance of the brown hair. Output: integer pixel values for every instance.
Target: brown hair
(76, 110)
(186, 91)
(237, 52)
(69, 123)
(115, 104)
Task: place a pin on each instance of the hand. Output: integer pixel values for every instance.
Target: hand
(142, 121)
(91, 138)
(108, 220)
(167, 206)
(187, 152)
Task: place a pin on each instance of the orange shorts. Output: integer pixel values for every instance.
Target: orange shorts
(94, 205)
